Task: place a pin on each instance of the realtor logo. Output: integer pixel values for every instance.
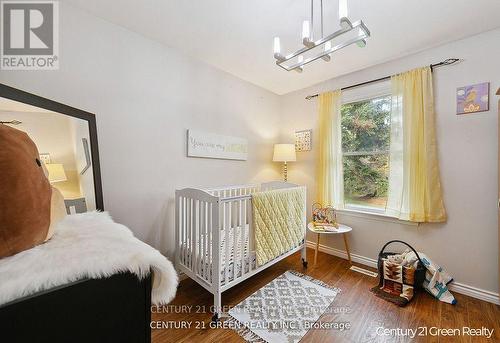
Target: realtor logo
(30, 35)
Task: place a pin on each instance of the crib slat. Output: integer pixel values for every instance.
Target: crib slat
(191, 232)
(180, 223)
(187, 232)
(205, 240)
(250, 232)
(202, 239)
(195, 254)
(207, 237)
(235, 215)
(184, 230)
(243, 228)
(210, 259)
(227, 224)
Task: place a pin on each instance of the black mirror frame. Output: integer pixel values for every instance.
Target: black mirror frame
(38, 101)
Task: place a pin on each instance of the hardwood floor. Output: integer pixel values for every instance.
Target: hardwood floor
(366, 311)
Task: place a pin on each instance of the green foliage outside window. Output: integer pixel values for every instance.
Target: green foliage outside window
(365, 144)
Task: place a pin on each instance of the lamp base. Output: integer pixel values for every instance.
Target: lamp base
(285, 172)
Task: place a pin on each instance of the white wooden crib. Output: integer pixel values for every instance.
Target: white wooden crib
(214, 236)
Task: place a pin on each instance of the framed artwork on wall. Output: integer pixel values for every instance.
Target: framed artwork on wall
(473, 98)
(303, 140)
(211, 145)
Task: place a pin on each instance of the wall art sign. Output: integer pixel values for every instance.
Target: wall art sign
(303, 140)
(211, 145)
(474, 98)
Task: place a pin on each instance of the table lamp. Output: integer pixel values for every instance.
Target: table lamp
(284, 153)
(56, 172)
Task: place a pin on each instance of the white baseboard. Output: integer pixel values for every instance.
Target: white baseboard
(474, 292)
(182, 276)
(461, 288)
(370, 262)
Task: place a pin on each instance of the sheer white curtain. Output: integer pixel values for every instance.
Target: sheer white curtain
(414, 180)
(398, 193)
(330, 179)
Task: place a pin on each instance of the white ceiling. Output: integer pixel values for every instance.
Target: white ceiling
(236, 35)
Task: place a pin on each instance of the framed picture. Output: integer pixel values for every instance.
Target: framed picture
(303, 140)
(211, 145)
(473, 99)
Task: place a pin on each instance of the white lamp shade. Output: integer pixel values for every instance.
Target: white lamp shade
(284, 153)
(56, 172)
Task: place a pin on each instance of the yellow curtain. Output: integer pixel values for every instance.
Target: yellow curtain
(330, 184)
(414, 182)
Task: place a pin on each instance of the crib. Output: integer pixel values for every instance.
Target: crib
(214, 236)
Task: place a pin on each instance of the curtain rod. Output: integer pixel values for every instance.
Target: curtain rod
(446, 62)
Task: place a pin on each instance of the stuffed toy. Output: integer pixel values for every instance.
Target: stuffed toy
(29, 206)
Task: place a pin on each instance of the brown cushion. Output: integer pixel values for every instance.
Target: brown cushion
(25, 193)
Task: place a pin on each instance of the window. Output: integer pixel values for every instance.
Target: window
(365, 146)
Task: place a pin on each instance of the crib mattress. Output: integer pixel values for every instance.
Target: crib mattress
(231, 268)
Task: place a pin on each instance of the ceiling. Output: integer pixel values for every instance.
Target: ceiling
(237, 35)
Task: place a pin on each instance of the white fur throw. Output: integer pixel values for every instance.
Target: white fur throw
(88, 245)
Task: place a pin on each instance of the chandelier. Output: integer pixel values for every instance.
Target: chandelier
(322, 48)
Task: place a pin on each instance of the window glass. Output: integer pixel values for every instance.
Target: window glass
(365, 146)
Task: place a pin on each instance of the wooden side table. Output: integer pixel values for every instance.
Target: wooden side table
(342, 229)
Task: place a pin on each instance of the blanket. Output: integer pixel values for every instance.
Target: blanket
(87, 245)
(279, 221)
(436, 279)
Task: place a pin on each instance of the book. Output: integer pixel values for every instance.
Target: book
(325, 228)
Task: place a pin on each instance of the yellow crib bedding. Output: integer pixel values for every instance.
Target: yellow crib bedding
(279, 221)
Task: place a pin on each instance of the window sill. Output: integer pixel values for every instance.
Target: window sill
(377, 216)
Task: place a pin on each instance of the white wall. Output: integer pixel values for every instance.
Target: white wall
(467, 245)
(145, 96)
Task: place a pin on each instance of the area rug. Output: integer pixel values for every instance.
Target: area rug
(283, 310)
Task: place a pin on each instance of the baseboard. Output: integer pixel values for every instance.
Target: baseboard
(474, 292)
(182, 276)
(342, 254)
(457, 287)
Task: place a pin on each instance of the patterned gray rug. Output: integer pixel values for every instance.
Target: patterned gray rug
(283, 310)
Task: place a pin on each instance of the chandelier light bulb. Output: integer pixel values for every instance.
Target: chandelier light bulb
(306, 30)
(277, 46)
(343, 9)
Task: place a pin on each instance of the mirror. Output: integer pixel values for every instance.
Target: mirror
(66, 146)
